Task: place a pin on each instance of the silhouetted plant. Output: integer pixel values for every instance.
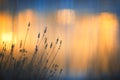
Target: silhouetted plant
(30, 69)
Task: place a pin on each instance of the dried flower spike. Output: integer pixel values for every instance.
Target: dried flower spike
(45, 40)
(21, 44)
(3, 42)
(36, 48)
(12, 46)
(60, 41)
(51, 45)
(57, 40)
(39, 35)
(29, 24)
(56, 65)
(46, 46)
(45, 30)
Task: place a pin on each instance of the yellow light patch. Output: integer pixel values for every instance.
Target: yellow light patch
(7, 37)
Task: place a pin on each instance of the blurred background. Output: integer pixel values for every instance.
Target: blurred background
(89, 30)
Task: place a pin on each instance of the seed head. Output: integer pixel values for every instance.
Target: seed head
(45, 30)
(12, 46)
(60, 42)
(20, 43)
(3, 42)
(56, 65)
(57, 40)
(51, 45)
(36, 48)
(45, 40)
(29, 24)
(39, 35)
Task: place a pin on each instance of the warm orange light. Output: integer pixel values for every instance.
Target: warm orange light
(7, 37)
(93, 35)
(66, 16)
(108, 30)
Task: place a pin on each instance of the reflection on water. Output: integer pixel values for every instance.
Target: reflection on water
(91, 38)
